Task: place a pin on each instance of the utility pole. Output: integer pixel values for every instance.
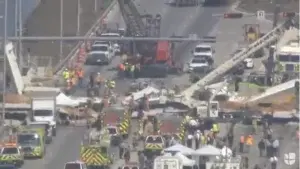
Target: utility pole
(78, 17)
(16, 18)
(61, 29)
(21, 61)
(4, 60)
(270, 61)
(96, 6)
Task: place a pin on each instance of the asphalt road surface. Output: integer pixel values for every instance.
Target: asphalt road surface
(284, 133)
(45, 21)
(65, 148)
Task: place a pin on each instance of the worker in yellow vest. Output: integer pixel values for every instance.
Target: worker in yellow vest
(66, 74)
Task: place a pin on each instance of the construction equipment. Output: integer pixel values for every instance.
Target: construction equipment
(95, 149)
(268, 38)
(252, 32)
(11, 154)
(117, 116)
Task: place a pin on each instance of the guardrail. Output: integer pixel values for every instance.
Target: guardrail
(88, 34)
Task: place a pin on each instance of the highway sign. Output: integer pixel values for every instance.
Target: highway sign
(260, 15)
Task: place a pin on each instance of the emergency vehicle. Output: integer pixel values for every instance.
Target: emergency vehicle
(75, 165)
(163, 52)
(95, 150)
(11, 154)
(130, 165)
(287, 58)
(167, 162)
(117, 117)
(171, 126)
(154, 145)
(32, 142)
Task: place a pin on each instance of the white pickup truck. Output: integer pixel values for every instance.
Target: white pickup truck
(44, 110)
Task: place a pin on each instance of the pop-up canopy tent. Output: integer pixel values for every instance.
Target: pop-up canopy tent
(185, 161)
(180, 148)
(63, 100)
(208, 150)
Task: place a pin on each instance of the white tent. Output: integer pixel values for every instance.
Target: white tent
(226, 152)
(208, 150)
(185, 161)
(63, 100)
(180, 148)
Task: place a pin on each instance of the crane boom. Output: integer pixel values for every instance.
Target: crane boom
(132, 18)
(270, 37)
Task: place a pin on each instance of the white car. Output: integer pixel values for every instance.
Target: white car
(115, 48)
(198, 63)
(75, 165)
(103, 48)
(203, 49)
(115, 45)
(249, 64)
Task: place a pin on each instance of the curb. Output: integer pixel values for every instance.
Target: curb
(75, 50)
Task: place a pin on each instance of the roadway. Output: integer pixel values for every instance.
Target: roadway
(181, 21)
(45, 21)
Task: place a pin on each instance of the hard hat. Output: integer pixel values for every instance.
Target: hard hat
(98, 73)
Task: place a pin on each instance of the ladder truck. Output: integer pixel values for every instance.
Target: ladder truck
(140, 26)
(237, 58)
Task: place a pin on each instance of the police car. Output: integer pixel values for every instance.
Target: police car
(75, 165)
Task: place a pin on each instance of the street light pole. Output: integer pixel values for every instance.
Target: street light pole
(96, 6)
(61, 29)
(4, 60)
(16, 17)
(78, 17)
(20, 34)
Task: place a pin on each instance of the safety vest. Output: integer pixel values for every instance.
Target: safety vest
(215, 128)
(66, 75)
(297, 68)
(112, 84)
(249, 140)
(203, 140)
(242, 139)
(132, 67)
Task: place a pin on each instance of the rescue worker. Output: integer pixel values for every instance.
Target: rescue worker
(203, 139)
(135, 140)
(189, 141)
(172, 141)
(261, 147)
(98, 123)
(269, 148)
(121, 70)
(99, 80)
(273, 161)
(109, 85)
(66, 74)
(141, 159)
(127, 155)
(122, 148)
(215, 129)
(80, 76)
(242, 142)
(275, 146)
(91, 81)
(132, 70)
(254, 125)
(197, 138)
(230, 139)
(249, 141)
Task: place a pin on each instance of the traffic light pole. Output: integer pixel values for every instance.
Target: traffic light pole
(83, 38)
(270, 61)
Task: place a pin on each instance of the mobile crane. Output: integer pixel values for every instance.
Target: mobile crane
(238, 57)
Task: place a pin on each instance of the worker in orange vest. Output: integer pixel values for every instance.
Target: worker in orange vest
(242, 142)
(249, 140)
(121, 70)
(80, 75)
